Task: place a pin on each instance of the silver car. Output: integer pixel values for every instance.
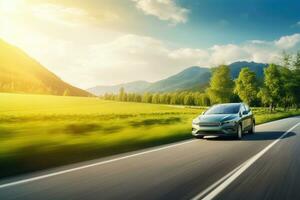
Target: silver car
(230, 119)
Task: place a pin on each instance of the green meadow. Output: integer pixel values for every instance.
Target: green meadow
(42, 131)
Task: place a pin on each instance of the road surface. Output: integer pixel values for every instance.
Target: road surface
(265, 165)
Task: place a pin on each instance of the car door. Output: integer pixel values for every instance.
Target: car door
(250, 116)
(247, 117)
(243, 117)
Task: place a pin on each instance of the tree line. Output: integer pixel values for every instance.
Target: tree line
(280, 87)
(174, 98)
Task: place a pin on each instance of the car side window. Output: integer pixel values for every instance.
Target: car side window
(247, 107)
(242, 108)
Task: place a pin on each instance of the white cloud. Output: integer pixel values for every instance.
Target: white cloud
(134, 57)
(287, 42)
(166, 10)
(296, 25)
(258, 41)
(222, 54)
(184, 56)
(263, 51)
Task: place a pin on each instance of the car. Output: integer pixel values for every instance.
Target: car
(229, 119)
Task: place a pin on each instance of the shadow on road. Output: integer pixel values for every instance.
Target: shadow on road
(264, 135)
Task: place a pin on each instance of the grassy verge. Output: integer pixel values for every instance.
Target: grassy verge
(38, 132)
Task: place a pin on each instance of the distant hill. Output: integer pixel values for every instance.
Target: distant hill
(186, 79)
(22, 74)
(136, 87)
(191, 79)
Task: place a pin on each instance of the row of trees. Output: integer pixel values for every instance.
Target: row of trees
(280, 87)
(174, 98)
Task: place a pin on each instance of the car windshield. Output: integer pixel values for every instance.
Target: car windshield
(223, 109)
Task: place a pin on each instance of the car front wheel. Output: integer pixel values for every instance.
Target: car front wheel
(252, 130)
(199, 136)
(239, 133)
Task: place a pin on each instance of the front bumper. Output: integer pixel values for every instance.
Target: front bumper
(221, 130)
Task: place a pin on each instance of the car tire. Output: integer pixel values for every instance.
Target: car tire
(252, 130)
(199, 136)
(239, 133)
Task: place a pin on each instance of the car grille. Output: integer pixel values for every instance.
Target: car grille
(210, 133)
(209, 124)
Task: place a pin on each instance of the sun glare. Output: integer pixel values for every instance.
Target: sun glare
(10, 6)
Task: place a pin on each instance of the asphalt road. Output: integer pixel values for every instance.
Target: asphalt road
(265, 165)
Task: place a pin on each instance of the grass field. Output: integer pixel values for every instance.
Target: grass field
(39, 131)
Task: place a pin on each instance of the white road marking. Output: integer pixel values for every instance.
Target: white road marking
(230, 177)
(90, 165)
(210, 188)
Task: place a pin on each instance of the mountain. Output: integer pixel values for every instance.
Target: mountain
(192, 79)
(258, 68)
(22, 74)
(136, 86)
(186, 79)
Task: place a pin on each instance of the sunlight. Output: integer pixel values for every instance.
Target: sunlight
(10, 6)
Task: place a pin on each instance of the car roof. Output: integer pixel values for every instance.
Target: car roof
(228, 104)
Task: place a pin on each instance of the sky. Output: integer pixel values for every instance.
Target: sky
(105, 42)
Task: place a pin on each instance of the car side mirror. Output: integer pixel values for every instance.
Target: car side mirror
(245, 112)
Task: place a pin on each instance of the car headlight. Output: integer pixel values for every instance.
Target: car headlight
(229, 123)
(196, 121)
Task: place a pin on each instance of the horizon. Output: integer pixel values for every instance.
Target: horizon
(105, 42)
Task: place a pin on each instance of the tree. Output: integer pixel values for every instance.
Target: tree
(296, 72)
(296, 63)
(173, 98)
(221, 85)
(66, 92)
(188, 99)
(286, 59)
(246, 86)
(204, 100)
(147, 97)
(125, 97)
(272, 86)
(155, 98)
(290, 87)
(138, 98)
(163, 98)
(264, 96)
(290, 80)
(121, 94)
